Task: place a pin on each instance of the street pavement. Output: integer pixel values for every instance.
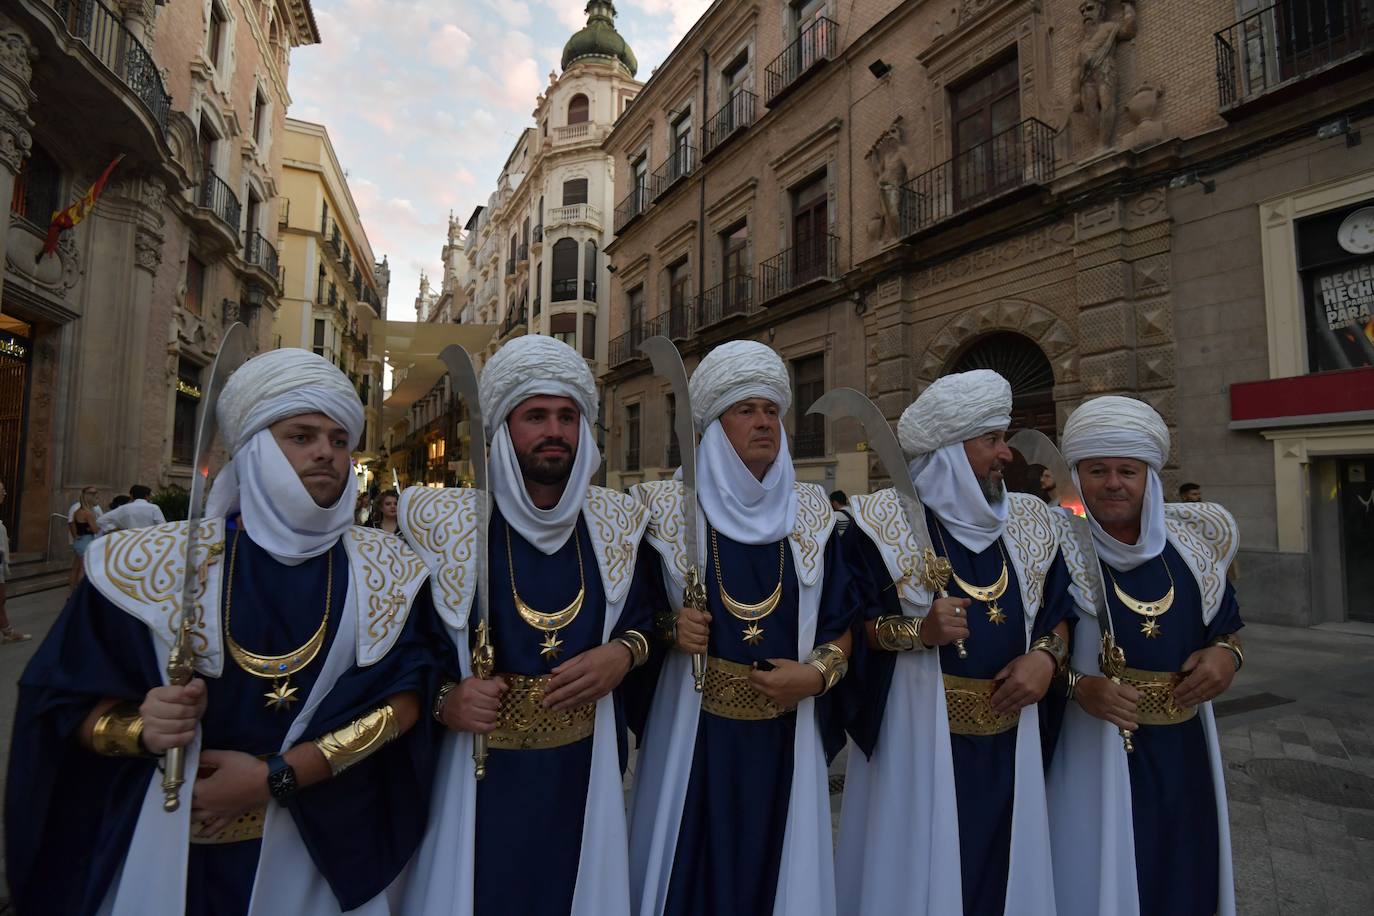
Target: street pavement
(1297, 734)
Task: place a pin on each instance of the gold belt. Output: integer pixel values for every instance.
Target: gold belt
(968, 702)
(524, 724)
(727, 693)
(245, 827)
(1157, 706)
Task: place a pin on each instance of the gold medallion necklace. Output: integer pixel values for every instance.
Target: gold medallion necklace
(988, 594)
(277, 668)
(749, 613)
(1150, 610)
(548, 624)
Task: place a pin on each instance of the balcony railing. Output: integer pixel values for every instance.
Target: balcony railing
(635, 203)
(1019, 157)
(673, 169)
(1287, 42)
(518, 318)
(678, 323)
(524, 253)
(815, 45)
(259, 252)
(575, 213)
(214, 195)
(626, 347)
(334, 244)
(733, 297)
(564, 290)
(813, 259)
(735, 115)
(537, 304)
(588, 290)
(103, 31)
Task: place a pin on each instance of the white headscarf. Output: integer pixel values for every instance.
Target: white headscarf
(1120, 427)
(528, 367)
(279, 513)
(737, 504)
(932, 432)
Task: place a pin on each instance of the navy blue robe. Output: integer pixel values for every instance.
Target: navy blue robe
(1173, 803)
(734, 816)
(531, 804)
(984, 765)
(70, 814)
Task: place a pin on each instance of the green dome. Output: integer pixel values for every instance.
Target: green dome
(599, 39)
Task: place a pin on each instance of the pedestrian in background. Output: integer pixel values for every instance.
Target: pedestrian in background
(384, 514)
(82, 528)
(839, 501)
(137, 513)
(7, 632)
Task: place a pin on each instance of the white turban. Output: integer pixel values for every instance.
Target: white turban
(955, 408)
(1119, 427)
(285, 383)
(530, 366)
(527, 367)
(734, 372)
(259, 482)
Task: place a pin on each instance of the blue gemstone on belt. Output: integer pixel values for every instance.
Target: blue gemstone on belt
(281, 667)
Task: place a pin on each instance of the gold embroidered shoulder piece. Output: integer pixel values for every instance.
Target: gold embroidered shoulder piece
(441, 526)
(1207, 537)
(1032, 536)
(663, 500)
(141, 571)
(1075, 543)
(387, 575)
(879, 515)
(616, 522)
(811, 531)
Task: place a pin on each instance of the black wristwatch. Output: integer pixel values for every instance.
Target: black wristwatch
(281, 779)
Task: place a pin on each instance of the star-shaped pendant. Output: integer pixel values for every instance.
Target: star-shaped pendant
(753, 634)
(552, 646)
(282, 695)
(1150, 628)
(995, 615)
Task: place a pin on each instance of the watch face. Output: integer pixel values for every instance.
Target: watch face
(1356, 234)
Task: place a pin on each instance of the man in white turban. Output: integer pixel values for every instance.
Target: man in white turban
(946, 791)
(730, 814)
(1144, 833)
(571, 607)
(305, 781)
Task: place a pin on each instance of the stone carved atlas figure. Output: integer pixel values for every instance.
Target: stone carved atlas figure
(1095, 70)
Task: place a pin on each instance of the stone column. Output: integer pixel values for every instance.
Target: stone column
(16, 70)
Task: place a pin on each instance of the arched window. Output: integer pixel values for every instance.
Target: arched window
(1022, 363)
(589, 272)
(564, 270)
(579, 109)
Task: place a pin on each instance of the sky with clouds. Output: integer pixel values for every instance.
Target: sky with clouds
(424, 99)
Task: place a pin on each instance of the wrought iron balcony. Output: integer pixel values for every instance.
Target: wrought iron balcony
(585, 214)
(1289, 42)
(518, 318)
(524, 254)
(678, 323)
(629, 209)
(812, 260)
(733, 297)
(216, 196)
(676, 167)
(334, 243)
(814, 46)
(103, 31)
(1019, 157)
(626, 347)
(734, 116)
(258, 252)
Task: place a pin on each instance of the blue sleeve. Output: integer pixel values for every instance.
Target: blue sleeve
(1228, 619)
(864, 690)
(647, 601)
(838, 609)
(1056, 606)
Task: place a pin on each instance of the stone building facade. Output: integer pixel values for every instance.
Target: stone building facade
(1091, 198)
(103, 345)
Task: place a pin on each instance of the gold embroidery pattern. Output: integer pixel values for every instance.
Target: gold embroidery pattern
(388, 569)
(1031, 534)
(146, 565)
(442, 523)
(880, 516)
(1209, 535)
(1085, 579)
(663, 499)
(814, 521)
(615, 522)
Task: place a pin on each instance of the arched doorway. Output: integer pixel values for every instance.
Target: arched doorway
(1022, 363)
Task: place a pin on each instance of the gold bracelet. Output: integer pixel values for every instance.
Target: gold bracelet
(437, 710)
(1231, 643)
(830, 661)
(665, 627)
(1072, 677)
(898, 633)
(359, 739)
(638, 644)
(119, 732)
(1055, 645)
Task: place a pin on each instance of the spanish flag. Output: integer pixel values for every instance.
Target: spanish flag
(66, 219)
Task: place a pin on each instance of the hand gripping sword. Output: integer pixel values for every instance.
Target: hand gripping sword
(846, 402)
(667, 362)
(1037, 448)
(464, 377)
(233, 349)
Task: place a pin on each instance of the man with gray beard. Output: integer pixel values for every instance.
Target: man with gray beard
(948, 795)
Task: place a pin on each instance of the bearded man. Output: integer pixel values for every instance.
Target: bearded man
(309, 803)
(571, 605)
(947, 792)
(1144, 833)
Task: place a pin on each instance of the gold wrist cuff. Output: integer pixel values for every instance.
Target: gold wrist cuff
(118, 732)
(1071, 678)
(359, 739)
(1231, 643)
(1055, 645)
(665, 627)
(638, 644)
(437, 710)
(898, 633)
(830, 661)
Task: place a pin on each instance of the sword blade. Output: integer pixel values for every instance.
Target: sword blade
(667, 362)
(464, 376)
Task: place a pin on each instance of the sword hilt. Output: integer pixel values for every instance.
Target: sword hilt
(483, 664)
(936, 576)
(694, 596)
(1112, 661)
